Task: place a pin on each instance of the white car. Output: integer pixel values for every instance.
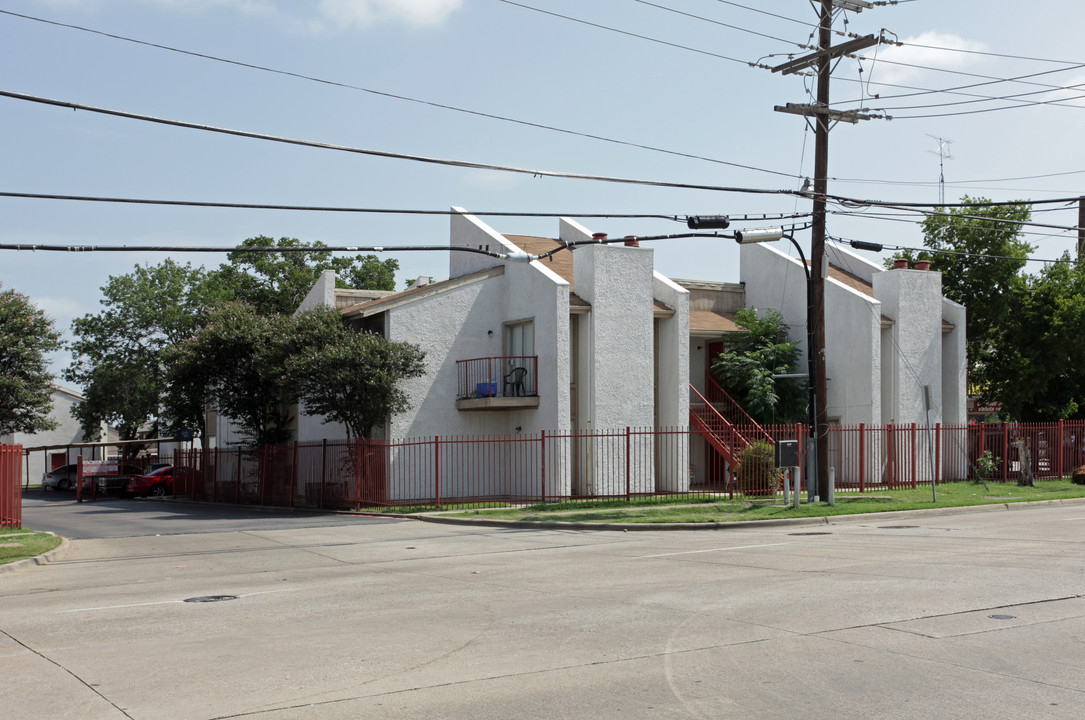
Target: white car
(63, 478)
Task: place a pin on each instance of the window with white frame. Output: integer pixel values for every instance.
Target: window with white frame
(520, 338)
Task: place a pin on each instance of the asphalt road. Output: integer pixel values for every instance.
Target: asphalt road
(967, 615)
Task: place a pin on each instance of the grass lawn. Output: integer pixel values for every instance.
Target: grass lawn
(17, 544)
(701, 508)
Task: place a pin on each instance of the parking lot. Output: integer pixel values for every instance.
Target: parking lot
(969, 615)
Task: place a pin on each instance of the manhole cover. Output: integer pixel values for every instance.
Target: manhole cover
(1002, 617)
(811, 533)
(211, 598)
(897, 527)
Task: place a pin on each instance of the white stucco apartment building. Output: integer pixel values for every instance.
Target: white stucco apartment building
(605, 342)
(602, 343)
(888, 333)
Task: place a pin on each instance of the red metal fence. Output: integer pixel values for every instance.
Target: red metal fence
(11, 480)
(528, 468)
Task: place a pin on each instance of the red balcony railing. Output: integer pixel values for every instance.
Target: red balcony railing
(507, 376)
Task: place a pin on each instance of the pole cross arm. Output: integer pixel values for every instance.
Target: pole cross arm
(852, 46)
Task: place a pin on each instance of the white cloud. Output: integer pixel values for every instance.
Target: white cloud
(931, 49)
(365, 12)
(62, 309)
(328, 15)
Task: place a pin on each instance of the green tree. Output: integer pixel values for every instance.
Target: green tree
(27, 335)
(253, 367)
(1037, 371)
(347, 376)
(982, 268)
(117, 354)
(753, 356)
(235, 361)
(277, 282)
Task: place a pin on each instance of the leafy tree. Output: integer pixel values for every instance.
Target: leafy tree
(1037, 371)
(277, 282)
(983, 270)
(118, 352)
(252, 366)
(348, 376)
(753, 356)
(27, 335)
(235, 361)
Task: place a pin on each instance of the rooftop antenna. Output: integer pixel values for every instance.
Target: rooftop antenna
(943, 155)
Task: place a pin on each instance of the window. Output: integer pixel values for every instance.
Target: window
(520, 338)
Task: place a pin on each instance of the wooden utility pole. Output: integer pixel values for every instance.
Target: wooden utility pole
(822, 115)
(1081, 229)
(817, 248)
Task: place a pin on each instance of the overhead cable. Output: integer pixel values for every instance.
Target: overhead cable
(508, 256)
(405, 98)
(383, 153)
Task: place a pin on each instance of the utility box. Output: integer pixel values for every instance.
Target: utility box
(787, 453)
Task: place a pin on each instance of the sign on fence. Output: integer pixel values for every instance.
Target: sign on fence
(100, 467)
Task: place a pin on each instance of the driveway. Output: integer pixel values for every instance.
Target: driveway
(977, 615)
(117, 518)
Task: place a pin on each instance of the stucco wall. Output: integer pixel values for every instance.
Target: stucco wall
(853, 354)
(913, 300)
(617, 281)
(954, 365)
(322, 294)
(468, 231)
(852, 331)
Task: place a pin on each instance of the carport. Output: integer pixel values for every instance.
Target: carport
(96, 452)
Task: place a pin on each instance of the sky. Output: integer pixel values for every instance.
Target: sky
(665, 91)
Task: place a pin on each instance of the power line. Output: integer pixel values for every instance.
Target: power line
(995, 221)
(749, 217)
(383, 153)
(766, 67)
(721, 24)
(636, 35)
(502, 168)
(508, 256)
(324, 208)
(960, 253)
(394, 96)
(984, 53)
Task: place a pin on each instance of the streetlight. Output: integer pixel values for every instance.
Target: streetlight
(748, 237)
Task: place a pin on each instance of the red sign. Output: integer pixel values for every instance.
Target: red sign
(991, 407)
(100, 467)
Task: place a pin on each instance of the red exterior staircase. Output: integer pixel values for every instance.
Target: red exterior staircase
(717, 418)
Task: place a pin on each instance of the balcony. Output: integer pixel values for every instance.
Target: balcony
(498, 383)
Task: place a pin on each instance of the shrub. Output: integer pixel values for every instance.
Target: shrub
(756, 472)
(986, 467)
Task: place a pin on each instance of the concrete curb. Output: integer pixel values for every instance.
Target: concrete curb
(43, 559)
(829, 520)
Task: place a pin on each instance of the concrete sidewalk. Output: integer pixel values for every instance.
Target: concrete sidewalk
(964, 615)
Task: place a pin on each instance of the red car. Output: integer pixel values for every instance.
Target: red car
(158, 483)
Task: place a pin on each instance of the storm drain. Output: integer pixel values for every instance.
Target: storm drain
(810, 533)
(897, 527)
(211, 598)
(1002, 617)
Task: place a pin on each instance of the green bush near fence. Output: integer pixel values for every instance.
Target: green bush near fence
(756, 473)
